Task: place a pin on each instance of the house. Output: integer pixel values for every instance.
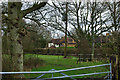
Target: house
(70, 42)
(61, 42)
(54, 42)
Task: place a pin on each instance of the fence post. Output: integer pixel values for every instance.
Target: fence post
(116, 65)
(110, 75)
(114, 62)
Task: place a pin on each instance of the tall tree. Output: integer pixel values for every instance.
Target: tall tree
(16, 31)
(114, 9)
(97, 22)
(66, 26)
(89, 22)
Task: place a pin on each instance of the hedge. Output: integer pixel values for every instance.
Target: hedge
(99, 52)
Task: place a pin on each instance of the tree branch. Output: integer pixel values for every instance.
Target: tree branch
(33, 8)
(35, 20)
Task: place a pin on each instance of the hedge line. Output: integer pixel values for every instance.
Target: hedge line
(49, 51)
(70, 51)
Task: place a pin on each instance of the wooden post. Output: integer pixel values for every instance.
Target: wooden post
(116, 65)
(119, 56)
(114, 62)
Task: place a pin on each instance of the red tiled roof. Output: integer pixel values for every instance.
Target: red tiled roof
(55, 41)
(52, 46)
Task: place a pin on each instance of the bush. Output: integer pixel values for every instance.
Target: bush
(30, 61)
(6, 65)
(6, 60)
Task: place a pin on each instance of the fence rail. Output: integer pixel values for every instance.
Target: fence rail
(77, 75)
(60, 71)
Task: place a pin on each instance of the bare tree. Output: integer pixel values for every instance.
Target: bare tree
(114, 17)
(114, 9)
(89, 22)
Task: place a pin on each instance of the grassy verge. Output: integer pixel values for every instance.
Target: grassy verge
(59, 63)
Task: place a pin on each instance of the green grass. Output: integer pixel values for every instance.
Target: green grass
(67, 47)
(59, 63)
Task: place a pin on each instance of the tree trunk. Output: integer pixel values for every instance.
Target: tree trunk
(15, 26)
(93, 47)
(65, 51)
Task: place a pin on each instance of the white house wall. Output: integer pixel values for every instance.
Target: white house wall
(50, 44)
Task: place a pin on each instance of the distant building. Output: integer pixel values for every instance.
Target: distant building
(61, 42)
(54, 42)
(70, 42)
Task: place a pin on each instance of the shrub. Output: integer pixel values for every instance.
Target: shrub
(6, 65)
(32, 61)
(6, 60)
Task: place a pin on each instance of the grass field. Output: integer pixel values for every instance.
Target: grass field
(67, 47)
(59, 63)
